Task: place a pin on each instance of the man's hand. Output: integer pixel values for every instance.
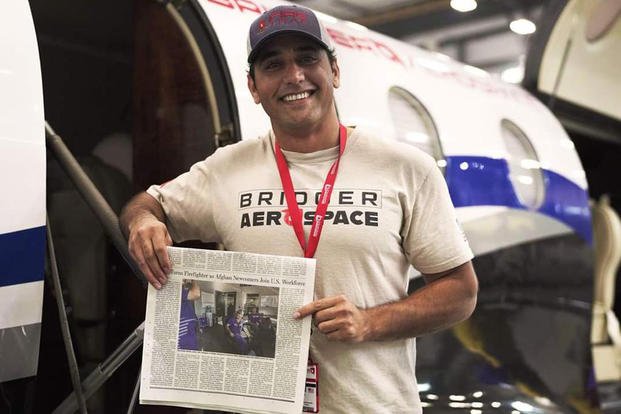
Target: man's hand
(148, 238)
(447, 298)
(337, 318)
(142, 222)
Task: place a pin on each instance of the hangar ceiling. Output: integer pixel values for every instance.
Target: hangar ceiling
(86, 49)
(480, 37)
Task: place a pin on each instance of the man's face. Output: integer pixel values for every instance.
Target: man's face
(294, 81)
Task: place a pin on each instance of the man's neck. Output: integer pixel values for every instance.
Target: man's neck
(327, 136)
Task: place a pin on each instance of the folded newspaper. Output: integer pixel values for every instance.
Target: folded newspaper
(220, 334)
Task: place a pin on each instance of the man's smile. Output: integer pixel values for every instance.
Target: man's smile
(297, 96)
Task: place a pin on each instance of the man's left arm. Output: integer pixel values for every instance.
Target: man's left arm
(446, 299)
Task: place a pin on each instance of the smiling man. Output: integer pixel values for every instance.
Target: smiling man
(293, 78)
(390, 209)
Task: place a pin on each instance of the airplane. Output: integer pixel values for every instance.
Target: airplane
(140, 91)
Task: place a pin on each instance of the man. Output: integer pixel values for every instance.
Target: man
(254, 317)
(234, 326)
(389, 208)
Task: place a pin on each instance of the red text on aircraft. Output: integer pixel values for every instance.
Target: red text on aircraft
(363, 43)
(241, 5)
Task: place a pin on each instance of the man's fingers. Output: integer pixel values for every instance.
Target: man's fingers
(147, 244)
(337, 318)
(330, 313)
(328, 326)
(153, 261)
(142, 250)
(138, 256)
(150, 277)
(317, 306)
(342, 330)
(159, 246)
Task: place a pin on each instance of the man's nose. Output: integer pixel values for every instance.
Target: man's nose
(294, 73)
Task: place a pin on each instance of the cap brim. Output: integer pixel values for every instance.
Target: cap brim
(257, 48)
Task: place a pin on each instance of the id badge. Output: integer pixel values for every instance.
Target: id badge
(311, 390)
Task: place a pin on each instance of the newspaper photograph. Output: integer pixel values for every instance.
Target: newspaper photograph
(220, 334)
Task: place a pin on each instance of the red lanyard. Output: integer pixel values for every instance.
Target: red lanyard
(322, 206)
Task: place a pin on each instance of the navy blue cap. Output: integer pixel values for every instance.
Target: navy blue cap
(285, 19)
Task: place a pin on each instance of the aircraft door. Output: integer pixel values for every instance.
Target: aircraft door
(184, 106)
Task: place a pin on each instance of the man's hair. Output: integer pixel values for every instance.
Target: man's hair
(330, 52)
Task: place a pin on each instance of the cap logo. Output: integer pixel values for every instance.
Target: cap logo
(281, 18)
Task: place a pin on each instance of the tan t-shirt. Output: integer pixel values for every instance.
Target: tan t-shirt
(389, 208)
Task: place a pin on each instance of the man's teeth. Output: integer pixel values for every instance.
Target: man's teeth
(296, 96)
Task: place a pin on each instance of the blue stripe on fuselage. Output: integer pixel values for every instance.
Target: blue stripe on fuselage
(22, 256)
(480, 181)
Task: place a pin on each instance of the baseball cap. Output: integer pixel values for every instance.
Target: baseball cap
(285, 19)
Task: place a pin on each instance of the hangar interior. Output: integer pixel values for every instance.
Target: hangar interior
(101, 74)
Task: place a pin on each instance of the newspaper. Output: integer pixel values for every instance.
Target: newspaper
(220, 334)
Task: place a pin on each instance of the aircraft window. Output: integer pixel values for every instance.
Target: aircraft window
(524, 167)
(413, 123)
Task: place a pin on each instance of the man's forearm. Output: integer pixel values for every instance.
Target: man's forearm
(144, 224)
(438, 305)
(140, 205)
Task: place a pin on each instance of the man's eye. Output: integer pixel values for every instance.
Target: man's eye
(271, 65)
(308, 59)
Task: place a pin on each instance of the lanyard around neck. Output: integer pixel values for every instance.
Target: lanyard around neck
(322, 205)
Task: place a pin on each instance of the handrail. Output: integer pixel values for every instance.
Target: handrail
(97, 203)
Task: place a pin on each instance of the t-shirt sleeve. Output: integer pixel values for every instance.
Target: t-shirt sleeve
(433, 239)
(187, 203)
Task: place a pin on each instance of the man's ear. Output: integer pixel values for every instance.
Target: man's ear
(336, 74)
(253, 90)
